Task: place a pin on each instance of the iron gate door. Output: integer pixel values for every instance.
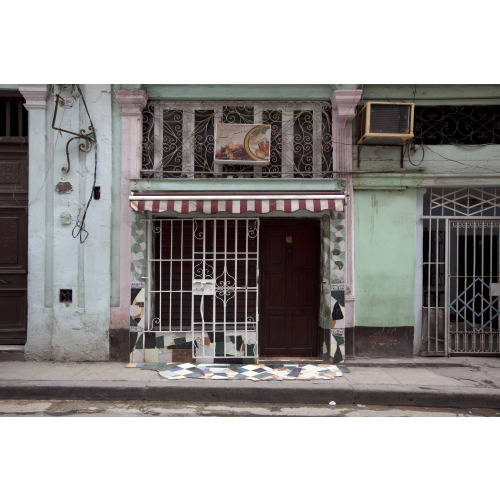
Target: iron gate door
(203, 284)
(473, 286)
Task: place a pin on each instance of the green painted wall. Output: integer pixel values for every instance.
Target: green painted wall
(240, 92)
(424, 94)
(385, 257)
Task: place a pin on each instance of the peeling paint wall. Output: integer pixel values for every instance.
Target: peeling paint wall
(76, 330)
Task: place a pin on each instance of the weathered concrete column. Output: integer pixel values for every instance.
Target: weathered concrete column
(40, 224)
(344, 104)
(132, 103)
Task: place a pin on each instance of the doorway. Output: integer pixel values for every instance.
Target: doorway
(289, 288)
(13, 218)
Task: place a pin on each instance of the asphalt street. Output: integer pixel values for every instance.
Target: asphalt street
(79, 408)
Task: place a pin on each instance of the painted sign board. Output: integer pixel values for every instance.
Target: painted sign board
(242, 144)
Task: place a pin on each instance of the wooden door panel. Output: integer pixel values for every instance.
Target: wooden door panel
(13, 246)
(299, 326)
(13, 320)
(290, 289)
(13, 173)
(276, 332)
(275, 291)
(275, 252)
(13, 243)
(302, 290)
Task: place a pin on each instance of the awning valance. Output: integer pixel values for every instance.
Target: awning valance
(213, 203)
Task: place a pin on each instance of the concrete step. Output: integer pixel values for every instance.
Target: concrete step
(12, 353)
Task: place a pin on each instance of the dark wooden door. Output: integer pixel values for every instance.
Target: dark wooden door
(13, 220)
(289, 276)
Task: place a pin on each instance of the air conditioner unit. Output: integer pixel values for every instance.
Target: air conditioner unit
(386, 123)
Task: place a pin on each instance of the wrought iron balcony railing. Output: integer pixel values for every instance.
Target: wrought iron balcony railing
(179, 137)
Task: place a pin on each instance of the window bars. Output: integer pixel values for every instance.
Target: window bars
(467, 125)
(202, 289)
(179, 138)
(461, 271)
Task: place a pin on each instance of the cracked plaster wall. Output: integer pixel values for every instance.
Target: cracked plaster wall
(78, 330)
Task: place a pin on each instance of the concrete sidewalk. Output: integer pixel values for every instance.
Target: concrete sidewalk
(434, 382)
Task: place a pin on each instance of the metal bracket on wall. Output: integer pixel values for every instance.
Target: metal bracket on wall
(88, 137)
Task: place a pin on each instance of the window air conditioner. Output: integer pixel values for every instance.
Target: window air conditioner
(386, 123)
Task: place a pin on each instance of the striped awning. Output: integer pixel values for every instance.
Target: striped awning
(213, 203)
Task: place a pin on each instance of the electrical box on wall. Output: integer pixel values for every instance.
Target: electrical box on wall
(242, 144)
(385, 123)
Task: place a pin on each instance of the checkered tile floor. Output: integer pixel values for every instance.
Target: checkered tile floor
(176, 371)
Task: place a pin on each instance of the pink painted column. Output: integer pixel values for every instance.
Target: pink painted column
(344, 104)
(132, 103)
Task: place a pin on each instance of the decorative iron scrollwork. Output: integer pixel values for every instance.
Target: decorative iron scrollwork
(467, 125)
(88, 137)
(301, 135)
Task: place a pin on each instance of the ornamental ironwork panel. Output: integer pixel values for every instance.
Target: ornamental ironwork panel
(468, 125)
(460, 202)
(179, 138)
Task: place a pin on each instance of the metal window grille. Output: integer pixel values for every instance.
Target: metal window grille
(13, 118)
(203, 284)
(469, 125)
(178, 138)
(461, 261)
(477, 202)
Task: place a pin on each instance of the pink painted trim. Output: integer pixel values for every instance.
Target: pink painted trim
(344, 104)
(132, 103)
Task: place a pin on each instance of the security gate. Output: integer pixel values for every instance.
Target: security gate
(461, 282)
(203, 284)
(473, 286)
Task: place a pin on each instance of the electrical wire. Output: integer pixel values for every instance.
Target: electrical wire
(51, 164)
(79, 230)
(408, 146)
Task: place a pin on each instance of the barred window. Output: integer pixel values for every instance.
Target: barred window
(13, 117)
(468, 125)
(179, 138)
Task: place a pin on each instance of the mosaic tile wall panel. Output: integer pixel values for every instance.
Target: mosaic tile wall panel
(155, 347)
(337, 280)
(138, 268)
(138, 297)
(138, 262)
(337, 323)
(337, 247)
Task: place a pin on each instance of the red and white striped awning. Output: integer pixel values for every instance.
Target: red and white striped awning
(213, 203)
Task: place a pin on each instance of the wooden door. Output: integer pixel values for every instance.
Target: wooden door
(289, 277)
(13, 219)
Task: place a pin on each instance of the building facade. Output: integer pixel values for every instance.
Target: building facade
(426, 227)
(135, 244)
(231, 262)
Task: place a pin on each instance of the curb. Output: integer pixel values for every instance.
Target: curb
(249, 392)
